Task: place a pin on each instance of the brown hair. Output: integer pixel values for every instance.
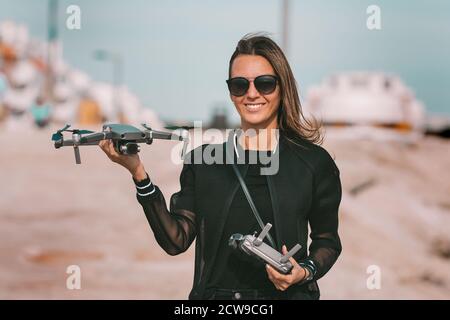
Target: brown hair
(291, 120)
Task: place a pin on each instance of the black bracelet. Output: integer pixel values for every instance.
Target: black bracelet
(311, 267)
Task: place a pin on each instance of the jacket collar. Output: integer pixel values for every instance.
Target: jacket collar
(235, 148)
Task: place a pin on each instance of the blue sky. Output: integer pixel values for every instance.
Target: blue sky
(177, 52)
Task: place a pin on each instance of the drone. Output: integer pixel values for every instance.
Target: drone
(125, 138)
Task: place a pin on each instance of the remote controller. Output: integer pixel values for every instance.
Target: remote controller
(254, 246)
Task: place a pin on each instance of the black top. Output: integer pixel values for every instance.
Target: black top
(234, 269)
(305, 190)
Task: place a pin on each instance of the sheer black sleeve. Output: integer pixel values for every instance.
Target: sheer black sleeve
(174, 230)
(325, 244)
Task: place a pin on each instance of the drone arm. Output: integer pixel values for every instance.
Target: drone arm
(95, 138)
(64, 143)
(70, 143)
(164, 135)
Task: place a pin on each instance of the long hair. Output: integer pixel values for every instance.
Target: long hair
(291, 121)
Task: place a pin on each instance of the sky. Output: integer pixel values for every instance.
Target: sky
(177, 52)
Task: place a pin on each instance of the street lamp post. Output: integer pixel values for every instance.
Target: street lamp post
(118, 75)
(285, 26)
(52, 43)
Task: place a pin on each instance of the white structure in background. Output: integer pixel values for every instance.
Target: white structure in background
(149, 117)
(68, 91)
(66, 103)
(78, 80)
(24, 87)
(21, 94)
(123, 100)
(15, 36)
(71, 85)
(367, 105)
(134, 111)
(103, 94)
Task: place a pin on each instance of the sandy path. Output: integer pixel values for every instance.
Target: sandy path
(54, 214)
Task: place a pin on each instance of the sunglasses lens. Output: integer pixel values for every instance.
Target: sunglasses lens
(238, 86)
(266, 84)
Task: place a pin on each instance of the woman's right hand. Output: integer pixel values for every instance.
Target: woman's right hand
(131, 162)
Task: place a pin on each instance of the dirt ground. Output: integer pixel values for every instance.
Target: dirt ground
(395, 215)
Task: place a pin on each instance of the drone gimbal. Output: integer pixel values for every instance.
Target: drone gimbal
(125, 138)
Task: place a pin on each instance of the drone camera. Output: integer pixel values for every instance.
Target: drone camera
(129, 148)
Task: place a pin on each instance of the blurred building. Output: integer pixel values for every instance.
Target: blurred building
(73, 97)
(367, 105)
(438, 126)
(219, 119)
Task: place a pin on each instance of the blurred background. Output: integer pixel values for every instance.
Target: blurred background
(376, 73)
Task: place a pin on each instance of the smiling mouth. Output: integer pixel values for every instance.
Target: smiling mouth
(254, 107)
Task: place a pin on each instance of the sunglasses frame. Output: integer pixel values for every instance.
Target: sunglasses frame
(248, 84)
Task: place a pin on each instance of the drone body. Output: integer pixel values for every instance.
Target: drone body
(125, 138)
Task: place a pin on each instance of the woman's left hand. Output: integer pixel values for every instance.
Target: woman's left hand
(284, 281)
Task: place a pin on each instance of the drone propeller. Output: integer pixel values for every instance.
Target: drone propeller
(58, 135)
(183, 136)
(81, 131)
(179, 127)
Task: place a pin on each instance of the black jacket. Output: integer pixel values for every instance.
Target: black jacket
(306, 188)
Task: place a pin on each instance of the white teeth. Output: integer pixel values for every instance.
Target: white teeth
(253, 106)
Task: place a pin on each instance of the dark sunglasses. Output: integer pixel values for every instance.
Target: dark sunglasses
(265, 84)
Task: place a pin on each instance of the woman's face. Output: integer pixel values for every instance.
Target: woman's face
(257, 111)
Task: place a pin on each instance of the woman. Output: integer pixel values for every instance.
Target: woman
(211, 205)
